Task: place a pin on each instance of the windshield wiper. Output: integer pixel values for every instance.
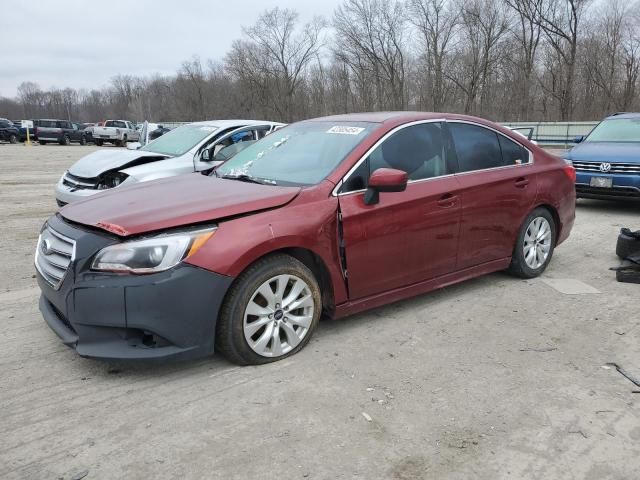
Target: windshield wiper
(243, 177)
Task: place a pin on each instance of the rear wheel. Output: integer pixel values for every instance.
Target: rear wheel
(534, 245)
(42, 142)
(270, 312)
(13, 138)
(99, 142)
(83, 140)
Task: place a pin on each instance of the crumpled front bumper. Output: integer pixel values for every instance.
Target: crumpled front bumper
(169, 314)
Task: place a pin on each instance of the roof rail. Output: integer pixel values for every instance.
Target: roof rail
(618, 113)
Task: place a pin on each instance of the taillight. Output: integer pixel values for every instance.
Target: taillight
(571, 172)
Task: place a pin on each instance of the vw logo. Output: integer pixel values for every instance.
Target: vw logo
(605, 167)
(45, 247)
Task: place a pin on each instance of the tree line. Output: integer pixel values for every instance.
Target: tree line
(507, 60)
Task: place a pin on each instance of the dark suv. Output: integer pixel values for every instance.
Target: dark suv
(9, 132)
(61, 131)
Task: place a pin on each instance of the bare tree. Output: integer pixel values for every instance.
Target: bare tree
(370, 41)
(436, 22)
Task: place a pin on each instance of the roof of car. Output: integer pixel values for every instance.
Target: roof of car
(624, 115)
(396, 117)
(232, 123)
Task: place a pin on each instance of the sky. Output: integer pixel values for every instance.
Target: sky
(80, 44)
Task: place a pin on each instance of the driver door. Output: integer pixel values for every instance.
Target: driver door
(407, 237)
(206, 159)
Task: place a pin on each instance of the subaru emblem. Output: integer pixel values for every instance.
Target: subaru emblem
(605, 167)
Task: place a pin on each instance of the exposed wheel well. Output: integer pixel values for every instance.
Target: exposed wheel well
(556, 217)
(317, 266)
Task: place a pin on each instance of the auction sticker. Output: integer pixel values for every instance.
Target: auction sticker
(343, 130)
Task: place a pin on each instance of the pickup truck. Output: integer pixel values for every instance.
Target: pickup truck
(118, 132)
(60, 131)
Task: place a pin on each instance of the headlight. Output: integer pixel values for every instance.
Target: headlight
(111, 180)
(151, 255)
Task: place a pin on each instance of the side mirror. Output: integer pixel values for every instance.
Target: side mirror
(133, 145)
(384, 180)
(205, 156)
(578, 139)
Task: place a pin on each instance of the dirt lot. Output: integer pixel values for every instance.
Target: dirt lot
(493, 378)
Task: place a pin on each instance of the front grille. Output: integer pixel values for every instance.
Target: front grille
(619, 192)
(54, 255)
(79, 183)
(633, 168)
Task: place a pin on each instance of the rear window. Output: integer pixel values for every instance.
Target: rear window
(48, 124)
(115, 123)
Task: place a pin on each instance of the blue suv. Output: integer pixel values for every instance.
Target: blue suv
(607, 161)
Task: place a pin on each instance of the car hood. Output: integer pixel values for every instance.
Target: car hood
(173, 202)
(605, 152)
(104, 160)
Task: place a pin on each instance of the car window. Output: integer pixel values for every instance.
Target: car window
(3, 124)
(512, 152)
(616, 130)
(477, 147)
(303, 153)
(181, 140)
(418, 150)
(115, 123)
(238, 137)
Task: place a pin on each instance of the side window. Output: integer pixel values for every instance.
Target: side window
(418, 150)
(513, 153)
(477, 147)
(261, 133)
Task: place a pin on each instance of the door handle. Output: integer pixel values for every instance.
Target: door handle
(447, 200)
(522, 182)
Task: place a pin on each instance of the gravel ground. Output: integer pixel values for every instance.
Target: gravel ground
(493, 378)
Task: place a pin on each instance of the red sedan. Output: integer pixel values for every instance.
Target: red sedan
(329, 217)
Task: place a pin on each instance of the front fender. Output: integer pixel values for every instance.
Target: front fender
(240, 242)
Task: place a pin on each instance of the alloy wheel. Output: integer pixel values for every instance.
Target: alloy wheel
(278, 315)
(537, 243)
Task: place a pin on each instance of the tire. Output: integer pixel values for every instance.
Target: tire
(540, 248)
(83, 140)
(42, 142)
(65, 140)
(235, 323)
(99, 142)
(118, 143)
(13, 139)
(628, 244)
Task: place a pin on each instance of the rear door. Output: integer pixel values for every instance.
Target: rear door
(497, 188)
(409, 236)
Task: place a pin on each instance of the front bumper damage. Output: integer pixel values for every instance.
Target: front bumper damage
(169, 314)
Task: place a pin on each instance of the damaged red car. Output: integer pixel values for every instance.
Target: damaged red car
(323, 218)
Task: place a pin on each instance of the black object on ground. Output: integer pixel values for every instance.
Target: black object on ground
(625, 374)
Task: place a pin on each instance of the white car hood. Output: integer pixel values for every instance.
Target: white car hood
(104, 160)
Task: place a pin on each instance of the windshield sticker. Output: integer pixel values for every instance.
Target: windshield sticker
(343, 130)
(208, 129)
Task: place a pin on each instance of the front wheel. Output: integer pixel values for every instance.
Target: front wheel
(13, 139)
(534, 245)
(65, 140)
(42, 142)
(99, 142)
(83, 140)
(270, 312)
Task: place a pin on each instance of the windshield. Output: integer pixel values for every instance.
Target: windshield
(301, 154)
(616, 130)
(179, 141)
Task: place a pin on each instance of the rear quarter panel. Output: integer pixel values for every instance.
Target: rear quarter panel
(556, 189)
